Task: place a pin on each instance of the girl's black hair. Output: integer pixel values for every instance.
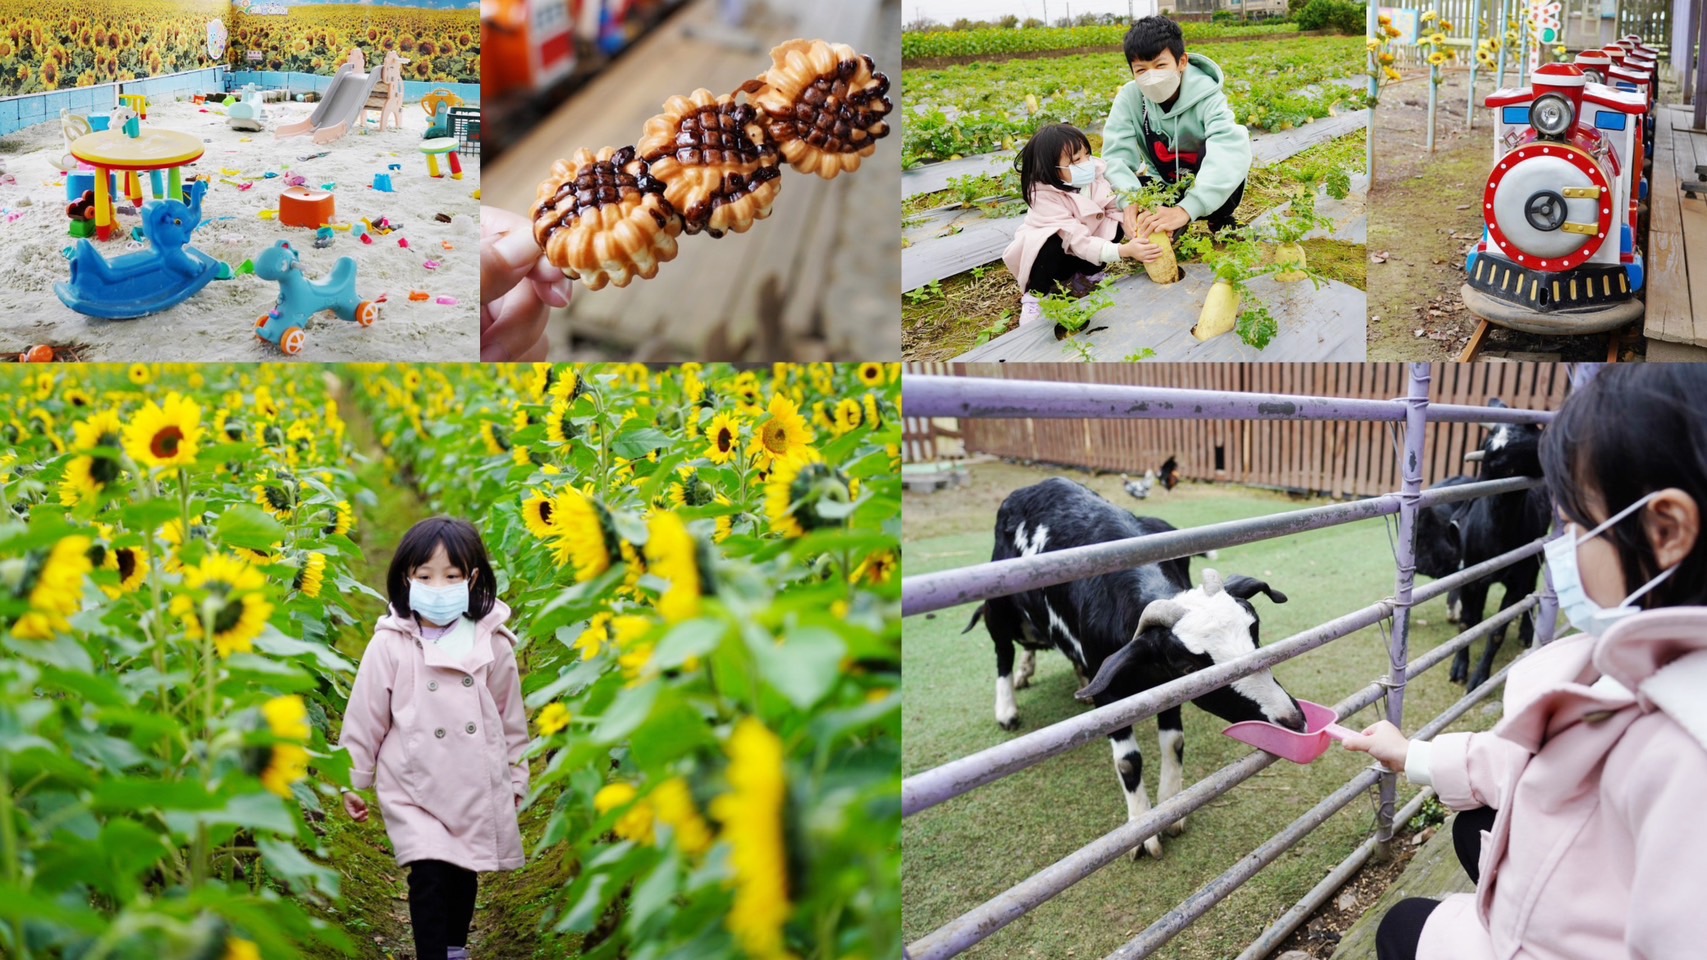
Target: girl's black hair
(1039, 161)
(1632, 430)
(466, 550)
(1149, 36)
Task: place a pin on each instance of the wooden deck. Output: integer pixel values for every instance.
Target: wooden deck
(1315, 325)
(1433, 872)
(1676, 322)
(819, 280)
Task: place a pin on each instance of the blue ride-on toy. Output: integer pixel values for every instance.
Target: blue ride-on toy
(300, 298)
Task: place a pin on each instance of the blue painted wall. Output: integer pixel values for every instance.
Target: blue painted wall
(19, 112)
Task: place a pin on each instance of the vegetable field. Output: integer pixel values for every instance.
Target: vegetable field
(996, 105)
(704, 568)
(920, 44)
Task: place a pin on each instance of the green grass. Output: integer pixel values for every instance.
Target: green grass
(976, 846)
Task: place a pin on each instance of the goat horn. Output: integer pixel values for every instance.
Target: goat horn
(1160, 613)
(1474, 455)
(1211, 582)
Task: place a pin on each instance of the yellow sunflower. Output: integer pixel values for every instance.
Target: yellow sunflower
(311, 575)
(873, 411)
(877, 568)
(552, 719)
(537, 513)
(583, 537)
(1390, 73)
(139, 374)
(287, 717)
(672, 555)
(752, 817)
(233, 588)
(691, 490)
(634, 825)
(57, 592)
(628, 633)
(796, 488)
(1436, 58)
(277, 497)
(725, 436)
(165, 436)
(76, 397)
(287, 764)
(558, 427)
(343, 518)
(785, 435)
(849, 415)
(237, 948)
(673, 803)
(497, 441)
(594, 638)
(131, 564)
(871, 374)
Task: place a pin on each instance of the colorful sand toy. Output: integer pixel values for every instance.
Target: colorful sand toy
(300, 298)
(445, 147)
(166, 274)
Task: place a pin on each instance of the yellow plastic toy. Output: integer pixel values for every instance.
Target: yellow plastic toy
(154, 149)
(138, 103)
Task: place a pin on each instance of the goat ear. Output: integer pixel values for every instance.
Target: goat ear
(1247, 587)
(1111, 668)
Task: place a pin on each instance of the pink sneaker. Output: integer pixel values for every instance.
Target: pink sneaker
(1030, 311)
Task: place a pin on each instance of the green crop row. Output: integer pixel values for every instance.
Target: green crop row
(999, 42)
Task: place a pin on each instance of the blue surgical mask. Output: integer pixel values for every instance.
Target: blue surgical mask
(1580, 609)
(439, 604)
(1083, 174)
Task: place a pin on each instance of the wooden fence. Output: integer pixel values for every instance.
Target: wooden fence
(1335, 459)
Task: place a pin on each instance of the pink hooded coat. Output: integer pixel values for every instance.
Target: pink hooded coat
(444, 738)
(1085, 219)
(1599, 849)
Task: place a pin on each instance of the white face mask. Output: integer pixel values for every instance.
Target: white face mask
(1158, 85)
(1580, 609)
(1083, 174)
(439, 604)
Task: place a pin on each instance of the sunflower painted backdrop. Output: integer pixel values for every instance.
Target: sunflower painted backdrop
(61, 44)
(704, 570)
(441, 43)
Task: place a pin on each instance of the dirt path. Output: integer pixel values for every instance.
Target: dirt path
(1424, 217)
(375, 908)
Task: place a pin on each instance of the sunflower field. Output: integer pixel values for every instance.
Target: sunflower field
(703, 568)
(441, 45)
(61, 44)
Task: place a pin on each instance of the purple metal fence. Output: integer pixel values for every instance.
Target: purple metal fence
(934, 396)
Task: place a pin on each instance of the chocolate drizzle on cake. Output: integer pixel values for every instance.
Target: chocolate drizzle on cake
(601, 183)
(835, 118)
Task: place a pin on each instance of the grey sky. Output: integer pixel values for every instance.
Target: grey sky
(947, 11)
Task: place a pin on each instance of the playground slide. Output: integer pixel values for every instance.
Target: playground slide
(339, 109)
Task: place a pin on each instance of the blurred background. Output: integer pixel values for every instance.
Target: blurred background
(818, 280)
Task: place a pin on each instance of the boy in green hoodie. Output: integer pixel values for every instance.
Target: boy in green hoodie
(1173, 119)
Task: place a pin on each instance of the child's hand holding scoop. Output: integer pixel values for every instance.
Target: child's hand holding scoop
(1384, 742)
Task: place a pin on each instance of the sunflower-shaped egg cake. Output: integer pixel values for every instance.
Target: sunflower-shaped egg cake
(717, 161)
(826, 103)
(604, 218)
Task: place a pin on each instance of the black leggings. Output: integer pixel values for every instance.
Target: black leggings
(1054, 266)
(1402, 926)
(441, 906)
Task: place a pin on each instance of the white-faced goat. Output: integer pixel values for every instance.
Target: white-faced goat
(1129, 631)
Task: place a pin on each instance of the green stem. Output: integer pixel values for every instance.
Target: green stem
(9, 852)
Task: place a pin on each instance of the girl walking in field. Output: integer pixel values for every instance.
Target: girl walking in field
(1580, 812)
(436, 721)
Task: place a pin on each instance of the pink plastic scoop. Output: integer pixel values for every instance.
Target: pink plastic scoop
(1319, 728)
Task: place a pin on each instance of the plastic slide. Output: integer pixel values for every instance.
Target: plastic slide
(339, 110)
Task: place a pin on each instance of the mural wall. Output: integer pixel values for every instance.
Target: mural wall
(50, 45)
(439, 38)
(64, 44)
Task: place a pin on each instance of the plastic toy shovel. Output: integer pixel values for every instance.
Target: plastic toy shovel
(1319, 728)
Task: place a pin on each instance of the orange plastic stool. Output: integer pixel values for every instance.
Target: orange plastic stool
(302, 207)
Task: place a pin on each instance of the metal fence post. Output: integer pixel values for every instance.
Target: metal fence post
(1398, 655)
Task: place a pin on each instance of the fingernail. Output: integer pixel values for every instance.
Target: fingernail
(558, 294)
(516, 249)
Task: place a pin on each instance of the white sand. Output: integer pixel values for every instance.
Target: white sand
(218, 322)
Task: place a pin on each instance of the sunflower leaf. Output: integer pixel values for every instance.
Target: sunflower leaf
(804, 666)
(249, 526)
(633, 442)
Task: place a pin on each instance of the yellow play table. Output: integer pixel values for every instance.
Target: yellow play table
(155, 149)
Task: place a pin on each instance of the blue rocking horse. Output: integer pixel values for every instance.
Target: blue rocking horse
(137, 284)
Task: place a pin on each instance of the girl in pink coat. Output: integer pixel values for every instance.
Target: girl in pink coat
(436, 720)
(1581, 811)
(1072, 230)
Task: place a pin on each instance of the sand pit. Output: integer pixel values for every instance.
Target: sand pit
(218, 322)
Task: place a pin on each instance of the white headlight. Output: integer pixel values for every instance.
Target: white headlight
(1551, 115)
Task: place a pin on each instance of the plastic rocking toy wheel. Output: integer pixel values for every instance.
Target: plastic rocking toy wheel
(291, 342)
(367, 312)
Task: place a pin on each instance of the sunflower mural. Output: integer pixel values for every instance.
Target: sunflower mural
(63, 44)
(440, 40)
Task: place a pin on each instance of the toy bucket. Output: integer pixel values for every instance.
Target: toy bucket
(1319, 730)
(98, 121)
